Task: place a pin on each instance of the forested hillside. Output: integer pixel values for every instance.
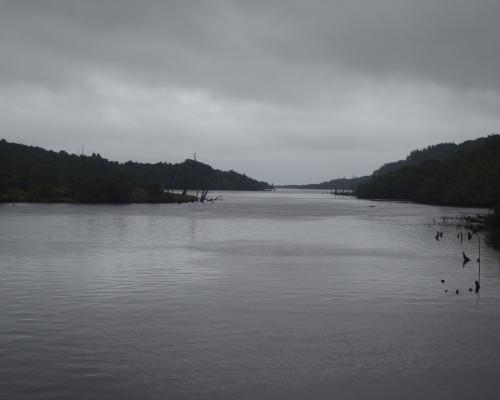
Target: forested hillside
(34, 174)
(339, 184)
(467, 174)
(439, 152)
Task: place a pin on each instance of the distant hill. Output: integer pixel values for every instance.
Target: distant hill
(30, 173)
(465, 174)
(339, 184)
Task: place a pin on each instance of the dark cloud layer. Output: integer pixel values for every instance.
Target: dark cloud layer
(289, 91)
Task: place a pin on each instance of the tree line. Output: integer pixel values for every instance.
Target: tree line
(29, 173)
(467, 174)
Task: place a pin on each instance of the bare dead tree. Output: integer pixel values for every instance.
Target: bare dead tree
(204, 193)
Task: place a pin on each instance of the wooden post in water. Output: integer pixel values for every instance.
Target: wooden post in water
(479, 257)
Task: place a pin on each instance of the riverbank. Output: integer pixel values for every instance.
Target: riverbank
(139, 195)
(35, 175)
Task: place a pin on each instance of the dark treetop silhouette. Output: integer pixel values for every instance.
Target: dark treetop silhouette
(34, 174)
(467, 174)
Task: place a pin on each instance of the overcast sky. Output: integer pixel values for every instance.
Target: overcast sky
(285, 91)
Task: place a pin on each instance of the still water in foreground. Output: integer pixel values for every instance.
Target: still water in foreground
(284, 295)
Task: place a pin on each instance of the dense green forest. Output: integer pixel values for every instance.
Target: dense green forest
(30, 173)
(467, 174)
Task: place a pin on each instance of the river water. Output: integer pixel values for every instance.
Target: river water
(275, 295)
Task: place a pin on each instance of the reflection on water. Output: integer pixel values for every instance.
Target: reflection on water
(264, 295)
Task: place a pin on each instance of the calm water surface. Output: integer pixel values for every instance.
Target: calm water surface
(285, 295)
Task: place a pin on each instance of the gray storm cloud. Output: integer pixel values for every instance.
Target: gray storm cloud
(287, 91)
